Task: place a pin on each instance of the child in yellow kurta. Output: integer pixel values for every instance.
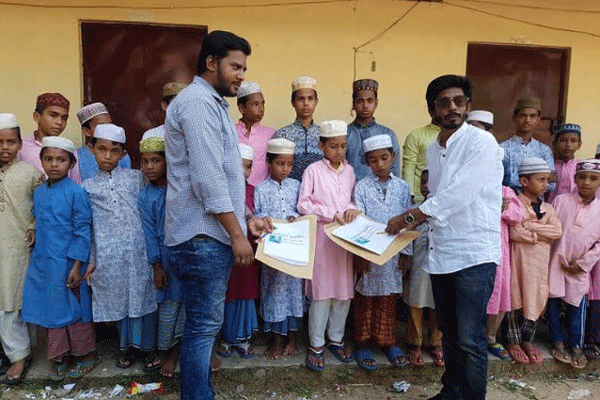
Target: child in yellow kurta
(530, 254)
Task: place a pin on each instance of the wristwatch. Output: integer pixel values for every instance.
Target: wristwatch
(409, 218)
(249, 216)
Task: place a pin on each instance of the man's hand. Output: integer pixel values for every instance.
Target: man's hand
(350, 215)
(89, 272)
(242, 250)
(397, 223)
(257, 226)
(30, 238)
(74, 278)
(160, 276)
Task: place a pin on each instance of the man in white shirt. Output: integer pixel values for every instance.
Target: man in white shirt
(463, 210)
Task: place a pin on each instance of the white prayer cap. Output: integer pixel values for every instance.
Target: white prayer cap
(304, 82)
(158, 132)
(58, 142)
(8, 121)
(280, 146)
(110, 132)
(533, 165)
(481, 116)
(589, 165)
(377, 142)
(598, 149)
(90, 111)
(248, 88)
(247, 152)
(333, 128)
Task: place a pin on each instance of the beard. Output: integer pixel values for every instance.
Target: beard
(225, 88)
(449, 125)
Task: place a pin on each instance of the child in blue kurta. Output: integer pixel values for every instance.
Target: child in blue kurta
(381, 196)
(281, 295)
(54, 295)
(122, 283)
(151, 203)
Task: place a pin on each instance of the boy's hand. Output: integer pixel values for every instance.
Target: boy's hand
(291, 218)
(74, 278)
(505, 203)
(350, 215)
(338, 218)
(573, 269)
(30, 238)
(404, 262)
(89, 272)
(361, 265)
(160, 276)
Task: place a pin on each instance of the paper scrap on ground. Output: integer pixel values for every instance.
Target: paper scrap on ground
(368, 234)
(289, 243)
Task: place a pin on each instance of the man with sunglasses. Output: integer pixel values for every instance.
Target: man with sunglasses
(463, 210)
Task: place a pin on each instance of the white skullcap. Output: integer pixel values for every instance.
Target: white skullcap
(333, 128)
(304, 82)
(598, 149)
(158, 132)
(248, 88)
(377, 142)
(57, 142)
(589, 165)
(90, 111)
(481, 116)
(533, 165)
(280, 146)
(247, 152)
(8, 121)
(110, 132)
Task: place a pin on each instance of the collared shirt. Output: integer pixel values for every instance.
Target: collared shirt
(515, 151)
(257, 139)
(354, 150)
(566, 177)
(30, 153)
(414, 157)
(307, 149)
(87, 165)
(276, 199)
(465, 181)
(204, 166)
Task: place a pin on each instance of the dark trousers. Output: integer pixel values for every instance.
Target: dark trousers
(575, 322)
(593, 323)
(460, 304)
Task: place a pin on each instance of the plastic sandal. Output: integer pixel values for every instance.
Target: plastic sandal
(415, 357)
(438, 356)
(396, 357)
(578, 359)
(499, 351)
(535, 357)
(14, 382)
(591, 351)
(58, 372)
(225, 350)
(517, 354)
(125, 360)
(560, 354)
(244, 350)
(318, 355)
(83, 367)
(151, 360)
(336, 349)
(361, 356)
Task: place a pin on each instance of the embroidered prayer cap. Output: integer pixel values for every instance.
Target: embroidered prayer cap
(90, 111)
(173, 88)
(248, 88)
(280, 146)
(533, 165)
(529, 102)
(158, 132)
(152, 145)
(481, 116)
(566, 128)
(377, 142)
(591, 165)
(333, 128)
(304, 82)
(58, 142)
(365, 84)
(52, 99)
(110, 132)
(246, 151)
(8, 121)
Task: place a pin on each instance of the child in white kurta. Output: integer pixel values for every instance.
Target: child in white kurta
(326, 191)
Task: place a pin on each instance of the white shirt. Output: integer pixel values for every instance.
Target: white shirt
(465, 183)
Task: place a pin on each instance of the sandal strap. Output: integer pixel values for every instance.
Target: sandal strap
(244, 345)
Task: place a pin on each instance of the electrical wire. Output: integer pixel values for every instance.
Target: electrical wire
(530, 7)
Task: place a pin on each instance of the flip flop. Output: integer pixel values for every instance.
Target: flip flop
(498, 350)
(125, 360)
(361, 356)
(318, 355)
(578, 359)
(337, 349)
(415, 357)
(535, 357)
(225, 350)
(517, 354)
(560, 354)
(393, 354)
(151, 360)
(58, 372)
(83, 367)
(15, 382)
(591, 351)
(438, 356)
(244, 350)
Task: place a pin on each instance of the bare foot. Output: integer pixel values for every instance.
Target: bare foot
(15, 370)
(168, 364)
(215, 363)
(275, 349)
(291, 348)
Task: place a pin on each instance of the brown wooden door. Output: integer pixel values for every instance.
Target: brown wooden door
(126, 65)
(501, 74)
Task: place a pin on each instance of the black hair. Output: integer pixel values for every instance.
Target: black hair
(40, 109)
(444, 82)
(168, 99)
(528, 176)
(294, 94)
(518, 110)
(218, 44)
(72, 158)
(354, 92)
(86, 124)
(94, 140)
(390, 149)
(271, 157)
(425, 171)
(160, 153)
(559, 134)
(18, 131)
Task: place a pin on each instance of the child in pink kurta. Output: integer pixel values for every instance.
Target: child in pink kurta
(499, 303)
(567, 140)
(326, 191)
(530, 253)
(573, 257)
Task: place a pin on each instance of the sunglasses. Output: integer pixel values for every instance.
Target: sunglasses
(444, 102)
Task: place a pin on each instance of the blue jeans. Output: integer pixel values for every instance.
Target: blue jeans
(203, 265)
(575, 320)
(460, 305)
